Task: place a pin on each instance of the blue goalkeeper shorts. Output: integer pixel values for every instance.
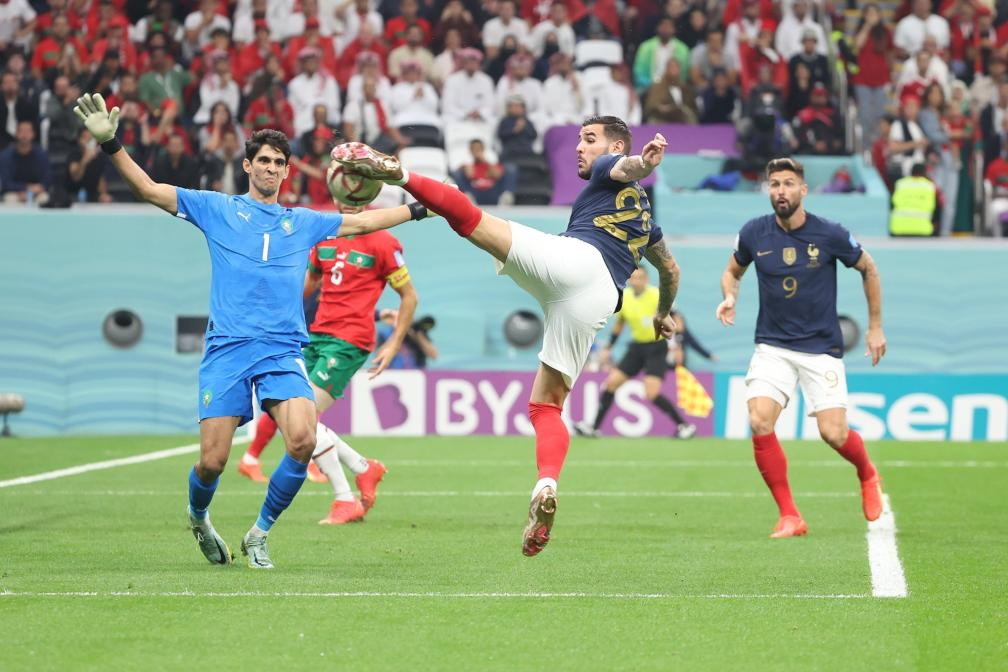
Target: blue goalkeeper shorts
(231, 368)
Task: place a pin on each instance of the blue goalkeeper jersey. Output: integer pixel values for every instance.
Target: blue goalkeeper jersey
(615, 218)
(258, 256)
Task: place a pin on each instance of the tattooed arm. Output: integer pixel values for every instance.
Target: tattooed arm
(668, 286)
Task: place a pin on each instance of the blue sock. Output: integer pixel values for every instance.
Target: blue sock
(200, 494)
(284, 483)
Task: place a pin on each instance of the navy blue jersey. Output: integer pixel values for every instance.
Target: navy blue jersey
(614, 217)
(797, 281)
(258, 255)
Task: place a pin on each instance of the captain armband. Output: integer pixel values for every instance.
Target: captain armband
(398, 277)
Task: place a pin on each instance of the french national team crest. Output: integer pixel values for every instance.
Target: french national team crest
(813, 255)
(790, 255)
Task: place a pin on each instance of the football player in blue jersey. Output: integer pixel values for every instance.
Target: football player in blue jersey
(798, 339)
(258, 253)
(577, 276)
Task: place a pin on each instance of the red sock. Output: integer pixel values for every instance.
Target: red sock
(772, 464)
(446, 201)
(265, 429)
(552, 439)
(853, 451)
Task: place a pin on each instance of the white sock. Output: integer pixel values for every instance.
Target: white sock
(256, 531)
(248, 459)
(542, 483)
(330, 465)
(350, 457)
(404, 180)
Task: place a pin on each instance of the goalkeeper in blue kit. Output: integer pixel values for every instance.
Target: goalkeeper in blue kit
(258, 253)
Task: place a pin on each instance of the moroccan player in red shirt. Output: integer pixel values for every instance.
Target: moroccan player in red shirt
(352, 273)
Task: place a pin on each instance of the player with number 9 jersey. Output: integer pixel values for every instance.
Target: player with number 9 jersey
(798, 341)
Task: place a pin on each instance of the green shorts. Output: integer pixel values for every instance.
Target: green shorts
(332, 362)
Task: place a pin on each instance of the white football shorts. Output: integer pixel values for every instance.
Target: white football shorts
(571, 281)
(774, 372)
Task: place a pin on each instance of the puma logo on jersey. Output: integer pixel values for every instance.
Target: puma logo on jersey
(246, 216)
(763, 253)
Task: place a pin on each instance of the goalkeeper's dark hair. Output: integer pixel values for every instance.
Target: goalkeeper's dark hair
(267, 136)
(613, 128)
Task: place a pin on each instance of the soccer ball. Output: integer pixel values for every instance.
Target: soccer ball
(349, 189)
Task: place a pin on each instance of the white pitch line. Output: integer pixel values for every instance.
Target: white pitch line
(108, 464)
(432, 595)
(886, 570)
(96, 466)
(439, 493)
(192, 448)
(672, 464)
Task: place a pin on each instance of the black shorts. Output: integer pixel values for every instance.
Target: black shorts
(649, 357)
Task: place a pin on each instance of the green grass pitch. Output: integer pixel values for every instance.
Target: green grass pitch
(659, 560)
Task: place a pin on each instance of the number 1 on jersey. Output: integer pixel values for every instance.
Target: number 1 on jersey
(265, 255)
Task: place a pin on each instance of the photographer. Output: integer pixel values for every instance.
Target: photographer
(417, 346)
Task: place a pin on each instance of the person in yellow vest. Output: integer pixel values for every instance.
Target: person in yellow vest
(914, 200)
(640, 302)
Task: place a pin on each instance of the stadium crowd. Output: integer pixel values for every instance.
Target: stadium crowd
(194, 78)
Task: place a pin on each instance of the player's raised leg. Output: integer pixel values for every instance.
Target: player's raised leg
(834, 430)
(487, 232)
(772, 464)
(249, 466)
(215, 446)
(296, 419)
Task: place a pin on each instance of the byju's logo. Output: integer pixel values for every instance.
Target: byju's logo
(394, 404)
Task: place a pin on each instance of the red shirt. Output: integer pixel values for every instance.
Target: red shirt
(354, 272)
(997, 173)
(251, 60)
(395, 31)
(873, 63)
(48, 53)
(481, 176)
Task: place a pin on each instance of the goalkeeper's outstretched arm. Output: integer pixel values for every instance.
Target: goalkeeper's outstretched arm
(102, 124)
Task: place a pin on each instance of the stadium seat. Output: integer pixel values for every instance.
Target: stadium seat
(459, 134)
(588, 53)
(535, 186)
(423, 135)
(431, 162)
(389, 197)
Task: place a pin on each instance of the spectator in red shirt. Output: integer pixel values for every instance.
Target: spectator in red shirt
(486, 183)
(270, 110)
(116, 42)
(880, 149)
(107, 19)
(818, 127)
(43, 23)
(252, 57)
(60, 53)
(366, 47)
(753, 57)
(874, 48)
(312, 37)
(395, 28)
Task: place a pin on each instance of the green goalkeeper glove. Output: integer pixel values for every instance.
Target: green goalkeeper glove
(99, 121)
